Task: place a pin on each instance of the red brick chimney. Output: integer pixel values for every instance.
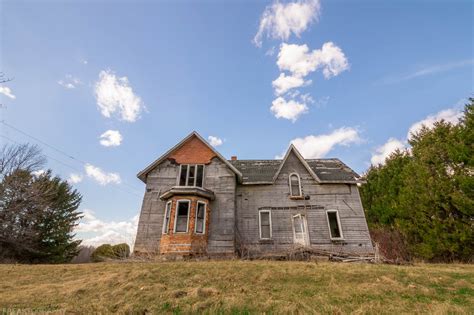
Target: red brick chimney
(233, 158)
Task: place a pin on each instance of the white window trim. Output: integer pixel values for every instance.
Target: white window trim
(187, 175)
(260, 224)
(195, 218)
(299, 185)
(176, 214)
(164, 218)
(338, 224)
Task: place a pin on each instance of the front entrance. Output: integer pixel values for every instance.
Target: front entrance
(300, 230)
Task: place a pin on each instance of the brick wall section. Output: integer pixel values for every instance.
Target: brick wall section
(190, 242)
(193, 152)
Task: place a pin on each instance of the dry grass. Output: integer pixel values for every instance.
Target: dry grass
(237, 287)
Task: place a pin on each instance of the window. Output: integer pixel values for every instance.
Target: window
(295, 185)
(265, 224)
(182, 216)
(334, 224)
(191, 175)
(166, 219)
(199, 227)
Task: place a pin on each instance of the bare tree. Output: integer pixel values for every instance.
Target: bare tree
(26, 157)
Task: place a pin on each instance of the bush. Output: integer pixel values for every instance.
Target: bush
(121, 251)
(107, 251)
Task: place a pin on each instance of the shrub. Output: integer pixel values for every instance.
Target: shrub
(121, 251)
(103, 252)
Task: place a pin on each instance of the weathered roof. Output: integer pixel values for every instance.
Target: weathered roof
(327, 170)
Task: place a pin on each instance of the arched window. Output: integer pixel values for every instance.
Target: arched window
(295, 185)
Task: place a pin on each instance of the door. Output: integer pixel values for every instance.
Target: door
(300, 230)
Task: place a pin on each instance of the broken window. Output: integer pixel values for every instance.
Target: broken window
(265, 224)
(191, 175)
(200, 218)
(295, 185)
(166, 219)
(334, 224)
(182, 216)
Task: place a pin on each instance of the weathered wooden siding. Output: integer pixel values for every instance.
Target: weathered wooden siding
(341, 197)
(218, 178)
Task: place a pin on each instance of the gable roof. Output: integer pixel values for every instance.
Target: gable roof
(293, 149)
(324, 171)
(142, 175)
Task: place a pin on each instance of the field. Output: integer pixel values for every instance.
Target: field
(237, 287)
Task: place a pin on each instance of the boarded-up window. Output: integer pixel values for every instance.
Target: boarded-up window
(265, 224)
(191, 175)
(200, 217)
(166, 219)
(295, 185)
(182, 215)
(334, 225)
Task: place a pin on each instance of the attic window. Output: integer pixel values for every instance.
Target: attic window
(191, 175)
(334, 224)
(295, 185)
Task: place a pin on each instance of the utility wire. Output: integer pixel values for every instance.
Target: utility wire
(59, 151)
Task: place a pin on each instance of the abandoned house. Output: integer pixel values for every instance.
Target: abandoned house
(197, 202)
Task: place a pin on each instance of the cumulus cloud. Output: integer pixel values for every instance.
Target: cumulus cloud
(111, 138)
(115, 95)
(75, 178)
(317, 146)
(7, 92)
(290, 110)
(449, 115)
(280, 20)
(382, 152)
(100, 176)
(300, 61)
(284, 83)
(95, 231)
(70, 82)
(215, 141)
(38, 173)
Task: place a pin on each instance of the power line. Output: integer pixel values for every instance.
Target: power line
(134, 192)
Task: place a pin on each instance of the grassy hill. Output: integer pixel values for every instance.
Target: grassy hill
(238, 287)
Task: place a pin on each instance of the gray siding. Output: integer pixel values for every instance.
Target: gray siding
(341, 197)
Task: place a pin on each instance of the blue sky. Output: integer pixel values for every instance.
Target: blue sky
(369, 72)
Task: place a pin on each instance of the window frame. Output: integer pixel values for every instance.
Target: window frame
(338, 224)
(166, 225)
(260, 224)
(299, 185)
(187, 175)
(204, 219)
(176, 215)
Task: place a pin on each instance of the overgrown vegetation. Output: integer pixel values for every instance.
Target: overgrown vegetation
(106, 252)
(426, 193)
(238, 287)
(38, 211)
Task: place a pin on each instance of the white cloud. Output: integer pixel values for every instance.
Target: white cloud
(285, 83)
(291, 109)
(449, 115)
(106, 232)
(7, 92)
(215, 141)
(75, 178)
(279, 20)
(111, 138)
(70, 82)
(100, 176)
(300, 61)
(384, 151)
(317, 146)
(115, 95)
(38, 173)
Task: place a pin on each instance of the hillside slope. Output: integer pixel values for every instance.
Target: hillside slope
(238, 287)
